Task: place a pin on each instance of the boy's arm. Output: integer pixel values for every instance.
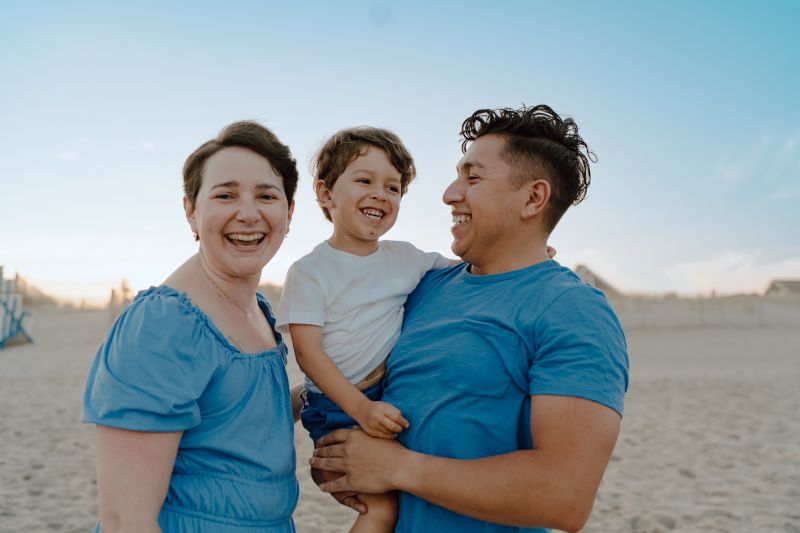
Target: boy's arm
(312, 359)
(552, 485)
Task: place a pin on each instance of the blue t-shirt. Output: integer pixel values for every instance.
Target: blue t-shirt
(475, 348)
(166, 367)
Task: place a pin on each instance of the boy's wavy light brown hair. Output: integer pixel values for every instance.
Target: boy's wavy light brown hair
(347, 145)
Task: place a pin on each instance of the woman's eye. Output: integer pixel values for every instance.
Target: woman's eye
(267, 197)
(224, 196)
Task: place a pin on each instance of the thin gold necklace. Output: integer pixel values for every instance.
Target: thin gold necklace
(247, 313)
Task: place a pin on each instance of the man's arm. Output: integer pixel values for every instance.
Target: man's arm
(133, 472)
(553, 485)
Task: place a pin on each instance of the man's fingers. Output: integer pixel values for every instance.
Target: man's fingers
(337, 485)
(354, 503)
(330, 465)
(334, 437)
(334, 450)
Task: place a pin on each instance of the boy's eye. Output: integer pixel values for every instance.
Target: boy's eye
(394, 189)
(363, 180)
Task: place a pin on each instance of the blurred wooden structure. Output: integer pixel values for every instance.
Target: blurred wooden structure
(14, 320)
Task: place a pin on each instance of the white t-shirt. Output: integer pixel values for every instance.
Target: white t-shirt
(358, 301)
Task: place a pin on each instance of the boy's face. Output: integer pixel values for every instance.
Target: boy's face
(364, 201)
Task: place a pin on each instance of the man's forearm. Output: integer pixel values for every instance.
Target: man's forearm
(523, 488)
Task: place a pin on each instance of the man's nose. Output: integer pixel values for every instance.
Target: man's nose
(453, 193)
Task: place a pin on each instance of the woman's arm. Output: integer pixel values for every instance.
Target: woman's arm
(297, 404)
(133, 472)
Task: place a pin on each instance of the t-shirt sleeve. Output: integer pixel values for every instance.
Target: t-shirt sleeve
(303, 299)
(580, 350)
(151, 369)
(426, 261)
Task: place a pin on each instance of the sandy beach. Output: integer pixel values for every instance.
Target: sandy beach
(710, 439)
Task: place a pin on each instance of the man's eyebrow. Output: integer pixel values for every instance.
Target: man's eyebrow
(468, 165)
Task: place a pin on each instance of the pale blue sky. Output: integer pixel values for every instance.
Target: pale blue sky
(691, 108)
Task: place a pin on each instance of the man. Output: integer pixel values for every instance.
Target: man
(510, 371)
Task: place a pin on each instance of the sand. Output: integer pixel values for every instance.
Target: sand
(710, 439)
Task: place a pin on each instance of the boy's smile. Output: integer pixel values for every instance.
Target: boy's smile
(363, 203)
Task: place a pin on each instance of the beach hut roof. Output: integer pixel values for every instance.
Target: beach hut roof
(588, 276)
(785, 285)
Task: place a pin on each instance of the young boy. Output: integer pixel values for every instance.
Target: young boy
(343, 302)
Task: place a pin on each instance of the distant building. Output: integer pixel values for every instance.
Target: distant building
(783, 287)
(594, 280)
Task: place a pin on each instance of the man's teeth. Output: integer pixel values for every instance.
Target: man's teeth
(460, 219)
(246, 236)
(373, 213)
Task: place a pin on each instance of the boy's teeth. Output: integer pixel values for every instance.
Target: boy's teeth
(246, 237)
(373, 213)
(460, 219)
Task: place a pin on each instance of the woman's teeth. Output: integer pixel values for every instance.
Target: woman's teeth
(246, 239)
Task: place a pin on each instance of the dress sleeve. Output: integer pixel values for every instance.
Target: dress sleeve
(580, 350)
(302, 301)
(152, 368)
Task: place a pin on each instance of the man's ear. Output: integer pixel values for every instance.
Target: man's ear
(538, 195)
(324, 198)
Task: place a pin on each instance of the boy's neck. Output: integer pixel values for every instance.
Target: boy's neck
(353, 246)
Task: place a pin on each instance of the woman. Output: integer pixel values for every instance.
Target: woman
(189, 391)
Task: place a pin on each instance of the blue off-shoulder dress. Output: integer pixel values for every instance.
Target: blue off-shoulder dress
(166, 367)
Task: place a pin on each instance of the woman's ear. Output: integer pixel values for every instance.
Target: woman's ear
(188, 208)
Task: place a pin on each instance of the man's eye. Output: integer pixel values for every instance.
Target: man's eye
(472, 178)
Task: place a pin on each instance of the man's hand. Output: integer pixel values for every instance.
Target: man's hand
(381, 420)
(369, 464)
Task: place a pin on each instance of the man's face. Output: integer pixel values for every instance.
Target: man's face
(486, 205)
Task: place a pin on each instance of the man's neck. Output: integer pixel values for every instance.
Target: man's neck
(507, 263)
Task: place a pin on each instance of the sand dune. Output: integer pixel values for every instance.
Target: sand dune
(710, 440)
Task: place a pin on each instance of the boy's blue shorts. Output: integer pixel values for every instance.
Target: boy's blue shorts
(320, 415)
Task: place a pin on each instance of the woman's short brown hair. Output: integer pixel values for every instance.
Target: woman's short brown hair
(346, 145)
(244, 134)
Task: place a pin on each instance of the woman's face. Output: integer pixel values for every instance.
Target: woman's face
(241, 214)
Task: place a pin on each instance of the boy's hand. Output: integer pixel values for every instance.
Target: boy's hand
(382, 420)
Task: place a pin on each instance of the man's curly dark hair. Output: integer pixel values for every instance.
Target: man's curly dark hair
(540, 145)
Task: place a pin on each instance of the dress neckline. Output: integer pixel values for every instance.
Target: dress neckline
(183, 298)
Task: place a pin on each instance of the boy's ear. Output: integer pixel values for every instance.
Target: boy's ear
(324, 198)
